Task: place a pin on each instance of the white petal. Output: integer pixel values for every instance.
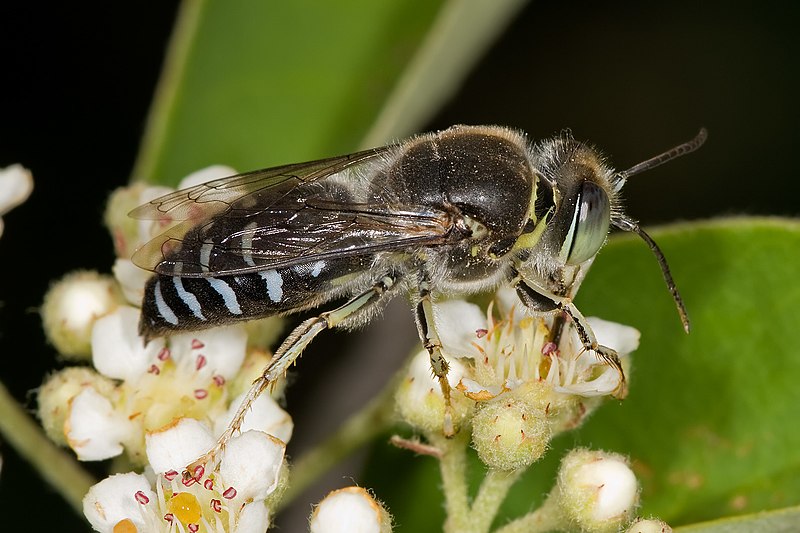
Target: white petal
(603, 385)
(224, 349)
(16, 184)
(424, 382)
(507, 299)
(624, 339)
(251, 463)
(265, 415)
(114, 499)
(177, 445)
(349, 510)
(93, 429)
(117, 349)
(457, 322)
(132, 279)
(206, 174)
(253, 518)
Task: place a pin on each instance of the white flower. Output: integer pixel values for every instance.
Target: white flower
(515, 350)
(228, 500)
(16, 184)
(160, 382)
(350, 510)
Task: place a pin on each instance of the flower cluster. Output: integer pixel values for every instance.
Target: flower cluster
(163, 403)
(518, 387)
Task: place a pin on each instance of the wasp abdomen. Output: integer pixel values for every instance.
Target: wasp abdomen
(174, 303)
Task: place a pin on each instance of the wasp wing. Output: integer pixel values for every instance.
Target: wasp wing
(179, 212)
(285, 216)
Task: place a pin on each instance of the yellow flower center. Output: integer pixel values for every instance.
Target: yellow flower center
(185, 507)
(124, 526)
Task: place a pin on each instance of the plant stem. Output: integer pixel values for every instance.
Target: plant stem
(362, 427)
(453, 466)
(548, 517)
(491, 494)
(58, 468)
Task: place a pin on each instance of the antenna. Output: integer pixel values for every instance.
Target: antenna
(628, 224)
(669, 155)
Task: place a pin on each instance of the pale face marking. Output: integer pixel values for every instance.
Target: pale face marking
(274, 283)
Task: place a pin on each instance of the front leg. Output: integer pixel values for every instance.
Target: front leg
(542, 301)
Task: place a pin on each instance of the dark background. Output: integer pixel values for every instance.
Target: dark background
(77, 82)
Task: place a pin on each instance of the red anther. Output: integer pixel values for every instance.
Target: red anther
(141, 497)
(169, 475)
(194, 528)
(200, 394)
(219, 381)
(169, 517)
(229, 493)
(549, 348)
(481, 333)
(208, 484)
(196, 344)
(216, 505)
(164, 354)
(154, 370)
(200, 362)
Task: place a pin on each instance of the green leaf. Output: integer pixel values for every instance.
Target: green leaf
(251, 84)
(711, 422)
(780, 521)
(255, 84)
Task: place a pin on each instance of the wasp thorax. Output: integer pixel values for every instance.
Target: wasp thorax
(483, 172)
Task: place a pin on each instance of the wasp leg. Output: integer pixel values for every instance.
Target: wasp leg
(430, 340)
(542, 302)
(288, 352)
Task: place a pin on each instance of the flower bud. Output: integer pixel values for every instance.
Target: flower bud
(598, 490)
(510, 434)
(419, 397)
(350, 510)
(71, 307)
(650, 525)
(58, 391)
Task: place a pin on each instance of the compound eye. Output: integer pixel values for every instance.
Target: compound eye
(589, 227)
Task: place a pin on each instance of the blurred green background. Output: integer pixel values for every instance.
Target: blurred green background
(633, 78)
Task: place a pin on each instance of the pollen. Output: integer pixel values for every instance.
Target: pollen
(185, 507)
(125, 526)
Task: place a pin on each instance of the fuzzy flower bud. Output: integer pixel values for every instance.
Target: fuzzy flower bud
(71, 307)
(650, 525)
(58, 391)
(350, 510)
(510, 435)
(598, 490)
(419, 397)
